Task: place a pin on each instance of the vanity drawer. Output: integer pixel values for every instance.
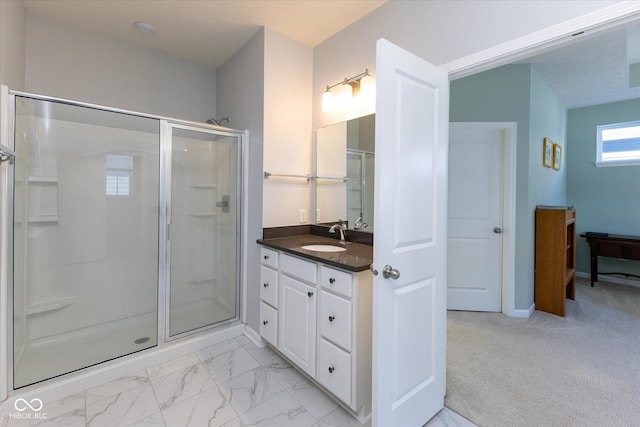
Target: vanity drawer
(269, 257)
(335, 319)
(299, 268)
(334, 370)
(269, 323)
(269, 286)
(336, 280)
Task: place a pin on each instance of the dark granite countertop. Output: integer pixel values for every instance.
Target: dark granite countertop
(357, 257)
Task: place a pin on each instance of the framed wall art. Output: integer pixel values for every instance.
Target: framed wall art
(557, 156)
(547, 153)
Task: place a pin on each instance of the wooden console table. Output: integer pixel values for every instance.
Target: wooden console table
(612, 246)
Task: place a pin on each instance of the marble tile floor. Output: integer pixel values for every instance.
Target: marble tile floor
(231, 384)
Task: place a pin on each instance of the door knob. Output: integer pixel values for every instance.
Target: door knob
(309, 294)
(497, 230)
(389, 271)
(373, 270)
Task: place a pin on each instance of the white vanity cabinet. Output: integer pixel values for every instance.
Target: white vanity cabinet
(298, 304)
(269, 295)
(344, 337)
(323, 325)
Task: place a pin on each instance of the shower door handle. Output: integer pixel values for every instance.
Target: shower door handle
(168, 223)
(224, 204)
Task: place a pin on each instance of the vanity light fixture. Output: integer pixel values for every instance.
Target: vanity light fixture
(363, 85)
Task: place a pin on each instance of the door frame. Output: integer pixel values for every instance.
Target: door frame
(508, 145)
(543, 40)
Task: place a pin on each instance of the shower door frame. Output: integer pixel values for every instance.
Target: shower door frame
(164, 292)
(7, 128)
(362, 154)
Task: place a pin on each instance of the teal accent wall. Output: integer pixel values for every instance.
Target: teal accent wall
(547, 186)
(516, 93)
(607, 199)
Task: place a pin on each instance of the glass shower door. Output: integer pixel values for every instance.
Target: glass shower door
(203, 229)
(86, 202)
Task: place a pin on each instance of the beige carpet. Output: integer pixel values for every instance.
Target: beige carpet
(581, 370)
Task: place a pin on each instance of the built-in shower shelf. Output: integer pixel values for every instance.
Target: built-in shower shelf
(202, 214)
(44, 179)
(204, 186)
(203, 279)
(43, 218)
(47, 306)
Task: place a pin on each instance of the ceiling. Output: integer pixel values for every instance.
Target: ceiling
(206, 31)
(593, 70)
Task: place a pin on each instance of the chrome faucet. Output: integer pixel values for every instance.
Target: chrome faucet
(360, 224)
(342, 226)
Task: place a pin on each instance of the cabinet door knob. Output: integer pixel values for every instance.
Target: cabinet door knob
(331, 369)
(264, 322)
(265, 284)
(332, 280)
(310, 294)
(266, 257)
(332, 318)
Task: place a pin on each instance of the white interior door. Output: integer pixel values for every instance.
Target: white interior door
(409, 311)
(474, 260)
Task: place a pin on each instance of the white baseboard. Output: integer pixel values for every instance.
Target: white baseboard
(254, 336)
(523, 314)
(610, 279)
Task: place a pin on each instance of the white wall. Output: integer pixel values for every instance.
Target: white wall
(240, 94)
(547, 186)
(288, 68)
(266, 88)
(12, 43)
(70, 63)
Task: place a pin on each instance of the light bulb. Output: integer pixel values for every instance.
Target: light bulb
(346, 92)
(368, 88)
(328, 101)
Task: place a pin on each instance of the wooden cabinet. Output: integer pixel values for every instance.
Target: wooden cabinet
(323, 321)
(555, 269)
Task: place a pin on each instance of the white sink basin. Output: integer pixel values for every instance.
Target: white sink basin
(324, 248)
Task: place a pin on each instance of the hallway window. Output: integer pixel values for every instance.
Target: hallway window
(618, 144)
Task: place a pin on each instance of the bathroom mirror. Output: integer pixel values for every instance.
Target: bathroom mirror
(345, 160)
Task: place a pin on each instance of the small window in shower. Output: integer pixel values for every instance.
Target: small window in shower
(119, 174)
